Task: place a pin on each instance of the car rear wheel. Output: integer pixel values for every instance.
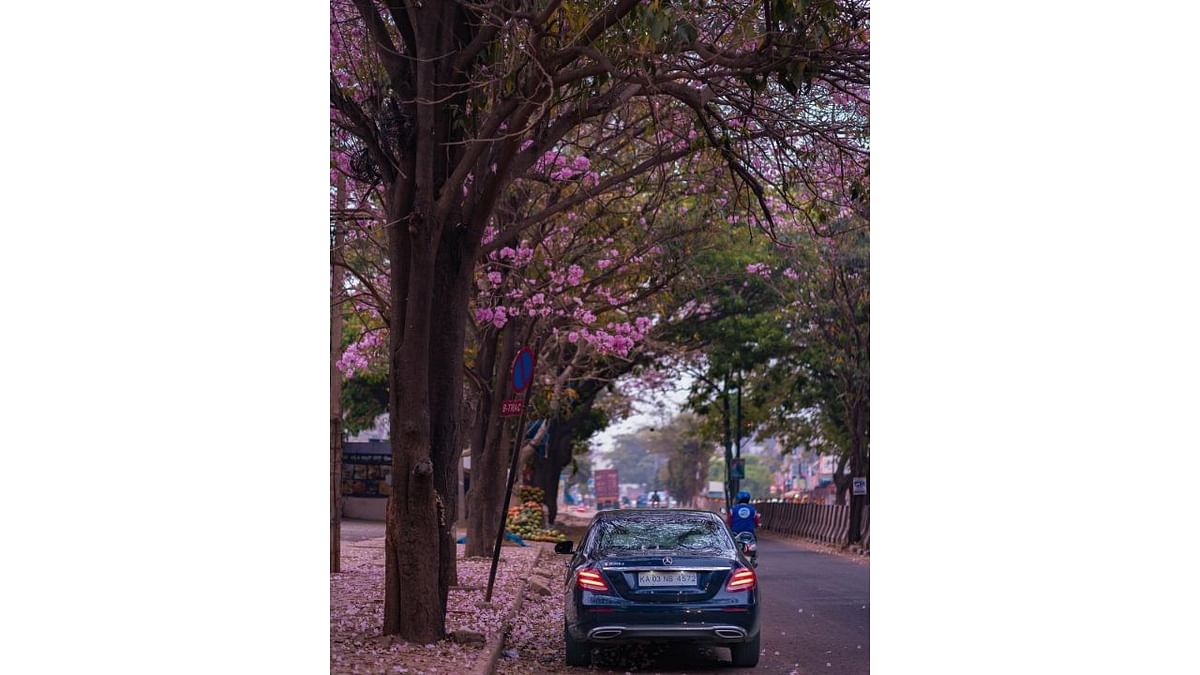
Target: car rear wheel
(745, 655)
(579, 652)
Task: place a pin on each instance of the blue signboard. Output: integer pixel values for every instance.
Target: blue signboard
(522, 370)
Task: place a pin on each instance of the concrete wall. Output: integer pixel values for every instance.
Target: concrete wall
(829, 524)
(364, 508)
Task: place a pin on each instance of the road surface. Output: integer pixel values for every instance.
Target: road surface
(816, 611)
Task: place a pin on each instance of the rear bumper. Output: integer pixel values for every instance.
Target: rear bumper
(713, 634)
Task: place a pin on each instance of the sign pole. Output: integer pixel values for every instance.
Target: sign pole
(512, 474)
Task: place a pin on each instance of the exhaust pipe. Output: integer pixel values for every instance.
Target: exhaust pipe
(730, 632)
(605, 633)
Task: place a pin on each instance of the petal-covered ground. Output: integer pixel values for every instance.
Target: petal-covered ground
(356, 612)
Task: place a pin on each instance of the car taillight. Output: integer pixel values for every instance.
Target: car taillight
(742, 579)
(590, 580)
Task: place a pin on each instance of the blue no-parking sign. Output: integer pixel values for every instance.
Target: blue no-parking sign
(522, 370)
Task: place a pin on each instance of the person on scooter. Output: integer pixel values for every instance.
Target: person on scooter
(743, 517)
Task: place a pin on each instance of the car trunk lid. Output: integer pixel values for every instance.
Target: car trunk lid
(666, 577)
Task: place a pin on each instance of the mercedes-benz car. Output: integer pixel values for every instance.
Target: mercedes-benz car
(659, 575)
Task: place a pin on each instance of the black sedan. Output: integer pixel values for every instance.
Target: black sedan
(660, 575)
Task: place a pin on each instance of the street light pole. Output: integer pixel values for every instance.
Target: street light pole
(737, 482)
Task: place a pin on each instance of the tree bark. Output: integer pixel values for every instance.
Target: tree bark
(412, 542)
(490, 461)
(335, 389)
(841, 481)
(857, 468)
(452, 282)
(548, 470)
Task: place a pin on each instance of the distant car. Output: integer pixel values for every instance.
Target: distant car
(660, 575)
(641, 501)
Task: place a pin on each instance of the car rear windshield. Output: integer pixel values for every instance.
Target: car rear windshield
(661, 532)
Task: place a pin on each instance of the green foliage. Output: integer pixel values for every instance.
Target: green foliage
(758, 476)
(364, 397)
(799, 344)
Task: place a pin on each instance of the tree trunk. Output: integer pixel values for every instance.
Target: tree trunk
(548, 470)
(841, 481)
(729, 496)
(857, 468)
(490, 461)
(485, 362)
(452, 282)
(335, 390)
(412, 542)
(559, 446)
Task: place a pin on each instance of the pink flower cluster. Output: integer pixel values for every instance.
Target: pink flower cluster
(520, 256)
(497, 316)
(357, 356)
(760, 269)
(559, 168)
(615, 338)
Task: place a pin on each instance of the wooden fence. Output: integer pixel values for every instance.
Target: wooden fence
(829, 524)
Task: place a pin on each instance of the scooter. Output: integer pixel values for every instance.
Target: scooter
(749, 545)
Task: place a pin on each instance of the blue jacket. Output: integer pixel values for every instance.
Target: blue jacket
(743, 518)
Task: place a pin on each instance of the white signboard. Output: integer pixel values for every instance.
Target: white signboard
(858, 486)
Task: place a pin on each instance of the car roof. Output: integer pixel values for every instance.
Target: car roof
(625, 513)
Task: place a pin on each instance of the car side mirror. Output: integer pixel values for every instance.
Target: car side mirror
(564, 547)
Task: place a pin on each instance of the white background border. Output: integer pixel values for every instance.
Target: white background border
(165, 277)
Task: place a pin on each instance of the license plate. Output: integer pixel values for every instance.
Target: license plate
(666, 578)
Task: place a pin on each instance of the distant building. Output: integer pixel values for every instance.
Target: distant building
(367, 472)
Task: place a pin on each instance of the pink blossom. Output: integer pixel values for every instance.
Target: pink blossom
(523, 255)
(495, 278)
(760, 269)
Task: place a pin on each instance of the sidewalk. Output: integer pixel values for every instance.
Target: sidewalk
(356, 613)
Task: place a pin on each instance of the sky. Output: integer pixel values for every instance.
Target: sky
(645, 415)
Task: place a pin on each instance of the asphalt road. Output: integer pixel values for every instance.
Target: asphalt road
(816, 611)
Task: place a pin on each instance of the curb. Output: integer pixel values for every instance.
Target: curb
(862, 555)
(491, 650)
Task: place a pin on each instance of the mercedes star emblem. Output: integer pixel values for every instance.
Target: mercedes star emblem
(666, 561)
